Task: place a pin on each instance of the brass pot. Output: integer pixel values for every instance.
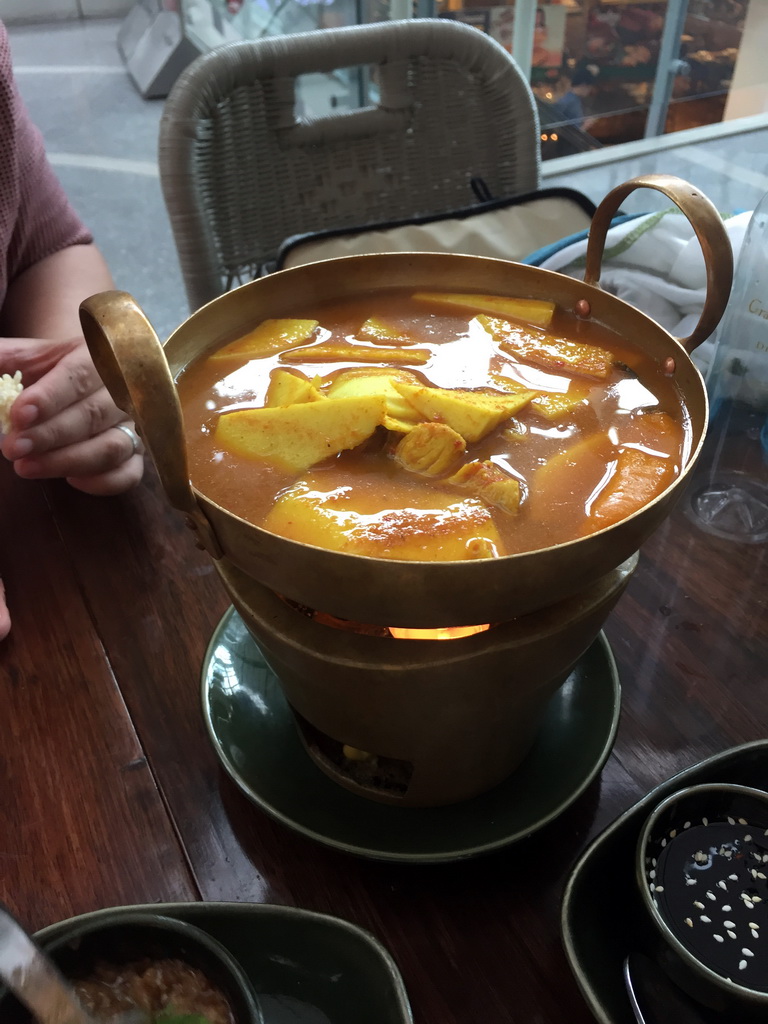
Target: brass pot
(140, 375)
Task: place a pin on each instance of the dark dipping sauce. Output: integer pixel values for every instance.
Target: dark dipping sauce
(709, 883)
(168, 988)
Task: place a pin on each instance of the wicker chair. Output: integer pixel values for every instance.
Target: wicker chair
(240, 172)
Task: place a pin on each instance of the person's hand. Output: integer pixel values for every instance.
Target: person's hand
(63, 422)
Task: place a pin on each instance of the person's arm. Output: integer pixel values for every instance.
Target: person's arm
(62, 421)
(43, 301)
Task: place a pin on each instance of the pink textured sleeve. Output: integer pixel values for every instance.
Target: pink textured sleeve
(36, 218)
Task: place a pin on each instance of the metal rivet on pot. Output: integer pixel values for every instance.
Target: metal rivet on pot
(582, 308)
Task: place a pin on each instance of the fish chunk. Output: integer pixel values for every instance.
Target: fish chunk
(551, 405)
(342, 352)
(488, 481)
(430, 449)
(638, 478)
(436, 525)
(534, 346)
(269, 338)
(530, 311)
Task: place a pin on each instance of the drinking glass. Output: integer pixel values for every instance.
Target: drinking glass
(729, 493)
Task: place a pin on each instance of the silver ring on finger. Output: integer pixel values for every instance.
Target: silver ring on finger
(132, 435)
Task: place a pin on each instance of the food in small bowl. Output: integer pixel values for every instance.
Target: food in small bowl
(702, 871)
(171, 970)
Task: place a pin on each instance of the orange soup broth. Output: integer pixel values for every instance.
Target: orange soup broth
(462, 356)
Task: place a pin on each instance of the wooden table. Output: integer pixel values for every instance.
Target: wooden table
(111, 793)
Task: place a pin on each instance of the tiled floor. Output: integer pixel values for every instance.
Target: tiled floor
(102, 139)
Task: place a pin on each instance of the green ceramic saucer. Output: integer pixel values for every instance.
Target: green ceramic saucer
(601, 909)
(252, 731)
(304, 966)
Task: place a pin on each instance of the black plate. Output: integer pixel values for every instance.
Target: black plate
(601, 906)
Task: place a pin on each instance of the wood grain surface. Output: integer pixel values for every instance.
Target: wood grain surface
(111, 792)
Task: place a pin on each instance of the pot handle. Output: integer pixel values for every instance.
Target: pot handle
(706, 222)
(130, 360)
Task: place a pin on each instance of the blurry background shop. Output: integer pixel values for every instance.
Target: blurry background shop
(603, 71)
(617, 70)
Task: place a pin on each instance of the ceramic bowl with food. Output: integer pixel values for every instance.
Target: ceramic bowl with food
(170, 969)
(702, 871)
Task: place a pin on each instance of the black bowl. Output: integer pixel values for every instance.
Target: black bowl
(704, 892)
(121, 938)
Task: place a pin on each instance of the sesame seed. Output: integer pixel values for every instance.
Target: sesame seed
(705, 821)
(664, 841)
(719, 938)
(711, 895)
(659, 888)
(760, 874)
(743, 821)
(687, 824)
(689, 922)
(673, 833)
(742, 965)
(690, 881)
(731, 820)
(731, 935)
(726, 908)
(747, 839)
(756, 899)
(734, 878)
(705, 919)
(728, 924)
(747, 952)
(766, 832)
(651, 874)
(722, 884)
(753, 925)
(698, 904)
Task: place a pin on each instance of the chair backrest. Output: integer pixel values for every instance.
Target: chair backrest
(241, 171)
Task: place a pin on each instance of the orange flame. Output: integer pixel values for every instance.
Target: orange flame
(443, 633)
